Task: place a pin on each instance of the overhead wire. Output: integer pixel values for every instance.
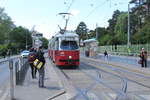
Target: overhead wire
(111, 5)
(69, 4)
(100, 5)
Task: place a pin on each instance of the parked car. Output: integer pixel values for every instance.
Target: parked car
(25, 53)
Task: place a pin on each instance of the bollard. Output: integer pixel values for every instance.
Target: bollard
(11, 80)
(17, 72)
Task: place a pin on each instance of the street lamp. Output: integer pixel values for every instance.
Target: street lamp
(128, 43)
(26, 42)
(96, 31)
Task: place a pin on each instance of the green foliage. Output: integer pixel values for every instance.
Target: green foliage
(11, 46)
(116, 32)
(44, 43)
(3, 48)
(121, 28)
(82, 31)
(91, 34)
(21, 36)
(101, 31)
(134, 25)
(143, 35)
(6, 25)
(112, 22)
(105, 40)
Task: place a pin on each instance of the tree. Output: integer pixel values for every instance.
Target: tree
(82, 31)
(105, 40)
(6, 25)
(143, 35)
(44, 43)
(121, 28)
(22, 37)
(112, 22)
(101, 31)
(91, 34)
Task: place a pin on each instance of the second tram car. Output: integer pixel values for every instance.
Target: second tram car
(64, 49)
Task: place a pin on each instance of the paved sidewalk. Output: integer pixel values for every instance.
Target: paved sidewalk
(124, 59)
(31, 91)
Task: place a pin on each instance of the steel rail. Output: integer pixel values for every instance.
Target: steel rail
(120, 93)
(80, 92)
(110, 66)
(119, 76)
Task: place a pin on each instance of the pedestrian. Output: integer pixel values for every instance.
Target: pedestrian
(31, 58)
(143, 56)
(40, 57)
(105, 54)
(129, 51)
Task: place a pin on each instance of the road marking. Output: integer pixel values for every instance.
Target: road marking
(4, 96)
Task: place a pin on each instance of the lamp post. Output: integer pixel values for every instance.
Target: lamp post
(128, 43)
(96, 31)
(26, 41)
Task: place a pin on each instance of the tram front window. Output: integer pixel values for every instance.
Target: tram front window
(69, 45)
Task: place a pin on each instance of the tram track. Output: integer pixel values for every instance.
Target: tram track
(121, 73)
(125, 69)
(116, 74)
(89, 66)
(84, 83)
(97, 90)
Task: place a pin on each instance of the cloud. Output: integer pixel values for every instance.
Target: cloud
(75, 12)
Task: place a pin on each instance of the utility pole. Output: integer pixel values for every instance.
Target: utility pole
(96, 32)
(33, 37)
(26, 41)
(128, 43)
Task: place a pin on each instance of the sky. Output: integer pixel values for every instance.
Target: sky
(43, 14)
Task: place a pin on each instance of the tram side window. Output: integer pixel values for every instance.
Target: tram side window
(69, 45)
(56, 45)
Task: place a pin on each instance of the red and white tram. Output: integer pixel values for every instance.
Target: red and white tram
(64, 49)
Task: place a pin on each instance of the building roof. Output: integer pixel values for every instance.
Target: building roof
(90, 40)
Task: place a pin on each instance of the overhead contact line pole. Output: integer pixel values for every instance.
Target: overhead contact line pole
(96, 31)
(128, 42)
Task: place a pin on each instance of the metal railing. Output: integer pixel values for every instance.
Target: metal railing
(18, 66)
(124, 50)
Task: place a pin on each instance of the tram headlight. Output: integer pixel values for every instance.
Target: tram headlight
(70, 57)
